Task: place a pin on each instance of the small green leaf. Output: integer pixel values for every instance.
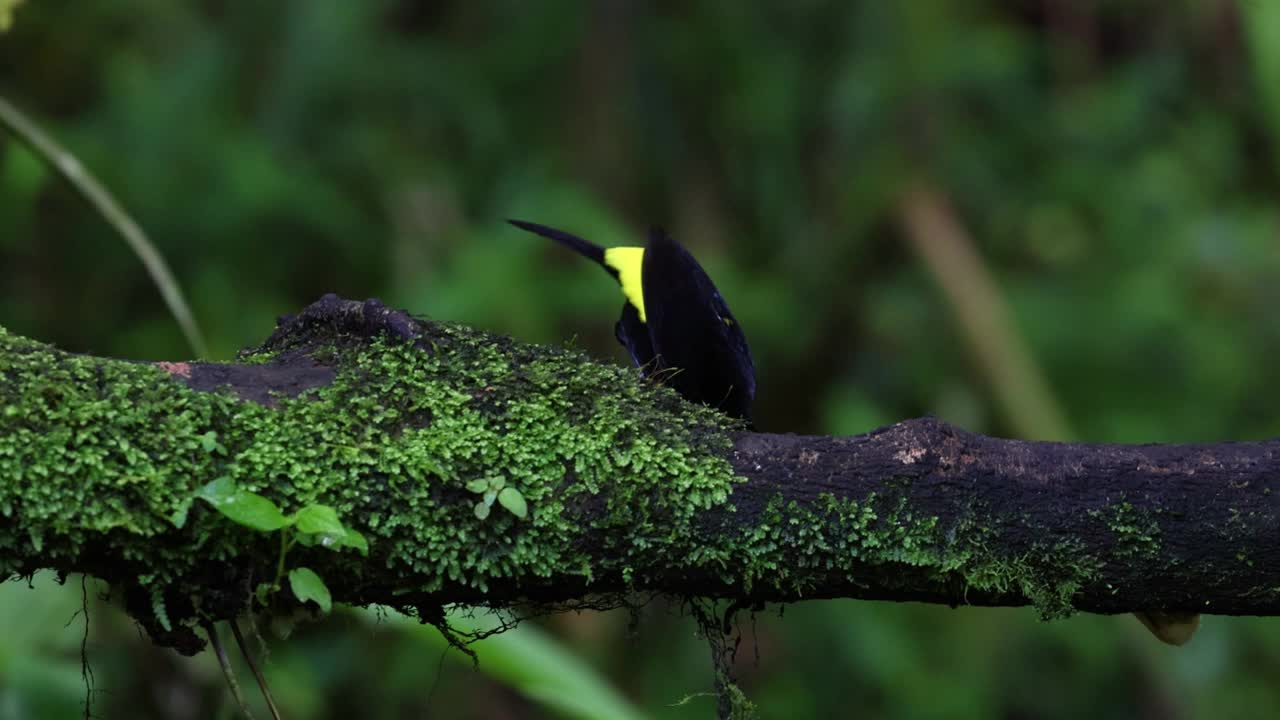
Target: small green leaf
(263, 593)
(490, 496)
(318, 519)
(222, 487)
(513, 501)
(179, 516)
(336, 541)
(209, 441)
(478, 485)
(356, 540)
(243, 507)
(307, 585)
(319, 525)
(496, 483)
(482, 510)
(254, 511)
(328, 541)
(159, 610)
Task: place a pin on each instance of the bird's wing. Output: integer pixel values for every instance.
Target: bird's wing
(692, 330)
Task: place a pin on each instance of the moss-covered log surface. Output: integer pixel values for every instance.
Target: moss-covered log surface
(388, 419)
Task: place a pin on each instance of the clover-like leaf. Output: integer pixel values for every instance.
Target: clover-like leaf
(513, 501)
(478, 485)
(243, 507)
(307, 585)
(354, 539)
(222, 487)
(318, 519)
(319, 525)
(209, 441)
(482, 510)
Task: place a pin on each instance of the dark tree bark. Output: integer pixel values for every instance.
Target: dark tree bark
(1185, 527)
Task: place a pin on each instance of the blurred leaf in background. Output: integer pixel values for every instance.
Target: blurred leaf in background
(1112, 164)
(7, 8)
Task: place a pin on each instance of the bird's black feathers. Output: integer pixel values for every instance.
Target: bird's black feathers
(698, 345)
(634, 336)
(682, 334)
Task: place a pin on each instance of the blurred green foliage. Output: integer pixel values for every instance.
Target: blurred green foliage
(1115, 163)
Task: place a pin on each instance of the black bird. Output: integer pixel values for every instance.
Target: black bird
(674, 323)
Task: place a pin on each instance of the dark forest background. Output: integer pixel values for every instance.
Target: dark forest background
(1056, 219)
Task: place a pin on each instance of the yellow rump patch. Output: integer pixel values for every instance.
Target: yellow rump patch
(627, 261)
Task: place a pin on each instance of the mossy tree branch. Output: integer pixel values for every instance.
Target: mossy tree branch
(629, 489)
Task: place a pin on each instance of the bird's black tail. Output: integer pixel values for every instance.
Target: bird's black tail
(573, 242)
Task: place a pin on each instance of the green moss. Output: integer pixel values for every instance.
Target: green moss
(740, 706)
(257, 356)
(846, 536)
(793, 541)
(1050, 575)
(95, 452)
(1137, 533)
